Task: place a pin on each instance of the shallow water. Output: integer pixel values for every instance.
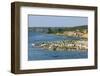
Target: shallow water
(44, 54)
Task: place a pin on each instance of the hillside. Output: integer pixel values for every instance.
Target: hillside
(56, 29)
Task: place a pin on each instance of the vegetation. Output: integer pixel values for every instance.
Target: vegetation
(56, 29)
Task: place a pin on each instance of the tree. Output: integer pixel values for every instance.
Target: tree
(49, 30)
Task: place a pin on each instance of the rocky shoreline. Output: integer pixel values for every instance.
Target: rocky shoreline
(63, 45)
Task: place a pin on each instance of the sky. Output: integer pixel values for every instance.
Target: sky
(56, 21)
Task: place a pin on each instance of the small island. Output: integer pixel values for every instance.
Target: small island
(65, 45)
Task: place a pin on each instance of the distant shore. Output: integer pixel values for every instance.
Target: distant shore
(83, 34)
(77, 31)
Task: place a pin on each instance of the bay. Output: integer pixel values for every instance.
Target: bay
(36, 53)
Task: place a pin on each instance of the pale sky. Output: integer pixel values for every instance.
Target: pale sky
(56, 21)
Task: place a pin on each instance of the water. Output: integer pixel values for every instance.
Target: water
(44, 54)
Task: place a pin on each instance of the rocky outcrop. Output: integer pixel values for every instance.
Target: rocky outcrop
(64, 45)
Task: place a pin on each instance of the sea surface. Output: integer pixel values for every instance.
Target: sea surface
(35, 53)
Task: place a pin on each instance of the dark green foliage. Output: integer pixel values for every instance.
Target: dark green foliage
(57, 29)
(49, 30)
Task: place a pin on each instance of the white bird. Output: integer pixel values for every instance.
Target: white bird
(33, 44)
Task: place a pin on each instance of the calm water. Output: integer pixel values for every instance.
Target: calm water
(43, 54)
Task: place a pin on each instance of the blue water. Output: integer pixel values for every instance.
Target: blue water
(44, 54)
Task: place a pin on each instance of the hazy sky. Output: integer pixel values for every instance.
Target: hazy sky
(56, 21)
